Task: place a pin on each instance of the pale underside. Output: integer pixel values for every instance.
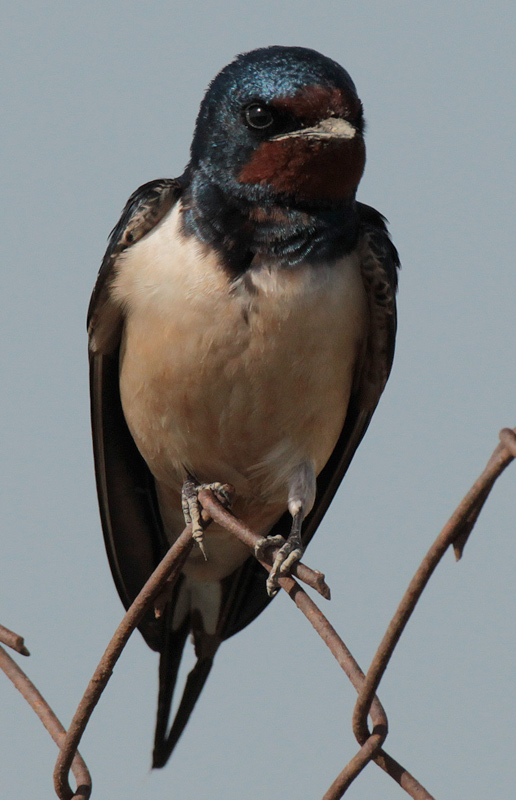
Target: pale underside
(245, 382)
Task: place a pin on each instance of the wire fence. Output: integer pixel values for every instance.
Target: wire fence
(369, 737)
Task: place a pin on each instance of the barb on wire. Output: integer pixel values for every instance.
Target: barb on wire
(13, 640)
(38, 704)
(459, 526)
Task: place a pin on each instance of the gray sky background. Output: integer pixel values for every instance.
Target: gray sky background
(101, 97)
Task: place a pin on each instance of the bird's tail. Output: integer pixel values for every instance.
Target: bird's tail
(206, 646)
(224, 609)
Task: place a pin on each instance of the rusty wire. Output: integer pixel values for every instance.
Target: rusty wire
(455, 532)
(167, 570)
(13, 640)
(38, 703)
(371, 745)
(163, 578)
(459, 526)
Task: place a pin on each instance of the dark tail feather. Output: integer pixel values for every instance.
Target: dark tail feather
(169, 662)
(205, 647)
(164, 745)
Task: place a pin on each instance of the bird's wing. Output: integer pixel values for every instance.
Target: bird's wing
(379, 267)
(128, 507)
(131, 520)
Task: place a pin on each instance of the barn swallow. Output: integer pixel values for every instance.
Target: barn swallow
(241, 331)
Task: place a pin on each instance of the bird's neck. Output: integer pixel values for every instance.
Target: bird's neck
(240, 227)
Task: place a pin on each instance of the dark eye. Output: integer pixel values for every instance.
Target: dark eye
(258, 116)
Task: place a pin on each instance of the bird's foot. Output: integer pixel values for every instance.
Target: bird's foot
(288, 555)
(290, 552)
(192, 510)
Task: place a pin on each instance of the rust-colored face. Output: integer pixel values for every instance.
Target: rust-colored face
(309, 168)
(311, 162)
(315, 103)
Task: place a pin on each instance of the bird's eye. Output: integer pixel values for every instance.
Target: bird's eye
(258, 116)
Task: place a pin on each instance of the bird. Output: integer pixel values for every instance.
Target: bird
(241, 332)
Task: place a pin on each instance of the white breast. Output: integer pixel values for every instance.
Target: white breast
(236, 382)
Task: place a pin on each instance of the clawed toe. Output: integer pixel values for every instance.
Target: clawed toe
(192, 510)
(292, 558)
(289, 554)
(265, 542)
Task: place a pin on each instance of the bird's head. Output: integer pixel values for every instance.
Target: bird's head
(282, 124)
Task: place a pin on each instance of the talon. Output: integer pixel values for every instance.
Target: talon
(198, 536)
(272, 585)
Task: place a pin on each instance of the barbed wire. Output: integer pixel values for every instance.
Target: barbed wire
(455, 533)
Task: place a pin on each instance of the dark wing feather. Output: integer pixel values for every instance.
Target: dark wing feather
(380, 262)
(128, 506)
(131, 521)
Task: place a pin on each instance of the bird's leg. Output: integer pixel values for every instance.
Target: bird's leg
(192, 510)
(301, 498)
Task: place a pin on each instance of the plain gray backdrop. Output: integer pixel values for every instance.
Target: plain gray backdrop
(99, 97)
